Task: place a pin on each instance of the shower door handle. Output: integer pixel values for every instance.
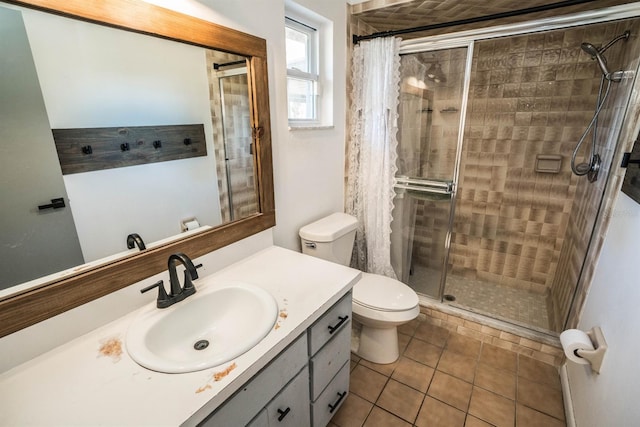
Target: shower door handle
(425, 185)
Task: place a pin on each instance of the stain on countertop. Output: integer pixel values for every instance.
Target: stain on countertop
(112, 348)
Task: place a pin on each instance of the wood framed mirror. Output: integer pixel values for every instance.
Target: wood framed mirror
(31, 306)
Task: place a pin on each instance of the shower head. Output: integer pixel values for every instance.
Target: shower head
(597, 54)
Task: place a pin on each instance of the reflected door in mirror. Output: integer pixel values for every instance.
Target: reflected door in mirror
(35, 242)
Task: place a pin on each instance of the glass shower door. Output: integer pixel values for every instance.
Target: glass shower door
(431, 100)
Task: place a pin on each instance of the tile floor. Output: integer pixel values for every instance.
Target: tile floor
(446, 379)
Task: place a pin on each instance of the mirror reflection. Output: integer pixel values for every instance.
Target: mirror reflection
(58, 73)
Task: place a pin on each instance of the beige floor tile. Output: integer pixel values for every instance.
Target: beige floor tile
(403, 341)
(401, 400)
(352, 365)
(410, 327)
(450, 390)
(540, 397)
(432, 334)
(539, 372)
(499, 358)
(355, 357)
(527, 417)
(386, 369)
(413, 374)
(496, 380)
(423, 352)
(438, 414)
(381, 418)
(458, 365)
(353, 412)
(492, 408)
(367, 383)
(476, 422)
(464, 345)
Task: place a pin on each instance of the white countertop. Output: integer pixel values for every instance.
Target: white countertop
(78, 384)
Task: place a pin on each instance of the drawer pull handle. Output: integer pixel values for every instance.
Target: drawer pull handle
(343, 319)
(335, 405)
(283, 413)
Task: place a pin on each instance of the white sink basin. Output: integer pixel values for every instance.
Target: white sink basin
(205, 330)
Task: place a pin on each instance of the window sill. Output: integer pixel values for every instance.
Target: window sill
(309, 127)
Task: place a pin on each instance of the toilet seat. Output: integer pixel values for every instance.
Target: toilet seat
(382, 293)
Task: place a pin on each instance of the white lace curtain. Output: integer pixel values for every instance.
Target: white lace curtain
(372, 151)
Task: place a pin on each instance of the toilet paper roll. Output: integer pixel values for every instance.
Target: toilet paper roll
(192, 225)
(572, 340)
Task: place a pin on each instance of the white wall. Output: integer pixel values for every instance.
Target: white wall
(94, 76)
(611, 398)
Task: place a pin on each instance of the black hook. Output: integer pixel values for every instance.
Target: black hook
(187, 141)
(134, 240)
(87, 149)
(125, 146)
(157, 144)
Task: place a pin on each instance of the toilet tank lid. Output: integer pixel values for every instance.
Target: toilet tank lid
(329, 228)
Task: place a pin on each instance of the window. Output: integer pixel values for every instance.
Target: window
(302, 72)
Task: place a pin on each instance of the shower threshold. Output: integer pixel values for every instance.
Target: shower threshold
(487, 319)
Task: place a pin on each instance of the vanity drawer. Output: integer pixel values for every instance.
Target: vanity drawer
(243, 406)
(290, 408)
(331, 398)
(332, 322)
(326, 363)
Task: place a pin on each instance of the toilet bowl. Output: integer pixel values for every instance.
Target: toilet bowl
(380, 303)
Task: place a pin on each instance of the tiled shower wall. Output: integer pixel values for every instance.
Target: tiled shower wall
(530, 95)
(622, 56)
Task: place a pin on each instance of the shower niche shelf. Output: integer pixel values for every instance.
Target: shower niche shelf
(548, 163)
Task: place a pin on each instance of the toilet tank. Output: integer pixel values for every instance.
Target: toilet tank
(330, 238)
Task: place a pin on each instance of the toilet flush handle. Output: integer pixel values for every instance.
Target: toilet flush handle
(311, 245)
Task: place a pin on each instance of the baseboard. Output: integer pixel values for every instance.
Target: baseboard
(566, 395)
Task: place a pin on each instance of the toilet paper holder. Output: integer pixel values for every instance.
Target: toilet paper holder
(595, 356)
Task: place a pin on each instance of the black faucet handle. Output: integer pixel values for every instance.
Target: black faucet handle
(196, 271)
(163, 299)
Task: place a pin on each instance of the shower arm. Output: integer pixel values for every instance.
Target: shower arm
(624, 35)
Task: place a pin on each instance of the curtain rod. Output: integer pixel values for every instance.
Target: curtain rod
(217, 66)
(508, 14)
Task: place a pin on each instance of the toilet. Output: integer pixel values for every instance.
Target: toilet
(380, 304)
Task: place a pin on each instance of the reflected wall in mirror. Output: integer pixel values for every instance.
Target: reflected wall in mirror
(77, 75)
(172, 80)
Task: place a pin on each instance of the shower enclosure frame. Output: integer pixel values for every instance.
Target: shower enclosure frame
(467, 39)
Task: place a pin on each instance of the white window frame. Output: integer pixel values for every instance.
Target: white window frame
(313, 76)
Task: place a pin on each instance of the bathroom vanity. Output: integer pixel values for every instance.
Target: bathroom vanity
(297, 375)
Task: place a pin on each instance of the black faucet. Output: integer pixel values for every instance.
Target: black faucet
(177, 292)
(135, 239)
